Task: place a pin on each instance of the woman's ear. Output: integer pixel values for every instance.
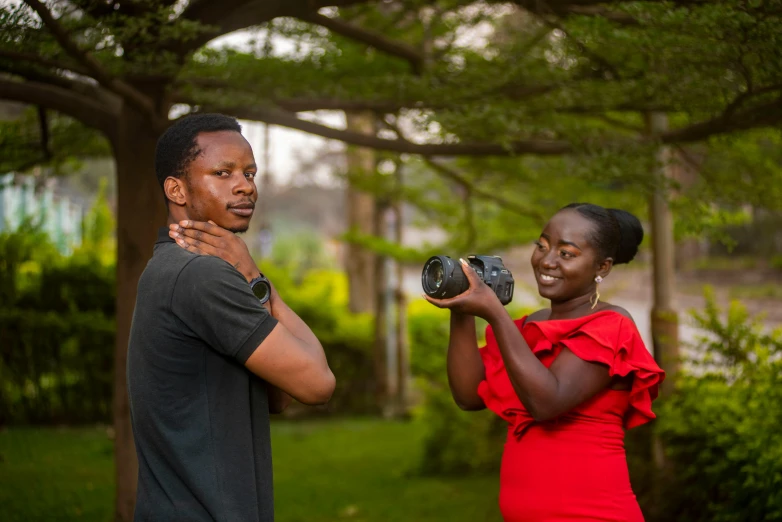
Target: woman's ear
(175, 190)
(604, 268)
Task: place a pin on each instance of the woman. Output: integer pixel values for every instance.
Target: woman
(569, 380)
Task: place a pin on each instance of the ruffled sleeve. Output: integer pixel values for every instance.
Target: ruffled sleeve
(605, 337)
(497, 391)
(613, 339)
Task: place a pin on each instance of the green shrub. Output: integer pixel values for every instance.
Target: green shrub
(321, 300)
(56, 332)
(55, 368)
(456, 441)
(722, 429)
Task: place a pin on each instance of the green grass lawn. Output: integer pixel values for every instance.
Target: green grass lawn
(346, 470)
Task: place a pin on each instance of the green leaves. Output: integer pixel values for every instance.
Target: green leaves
(722, 430)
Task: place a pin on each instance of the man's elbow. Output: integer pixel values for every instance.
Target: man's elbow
(320, 391)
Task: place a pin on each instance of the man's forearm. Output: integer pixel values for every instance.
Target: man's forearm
(278, 399)
(283, 313)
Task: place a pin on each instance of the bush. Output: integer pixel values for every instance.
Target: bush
(56, 332)
(321, 300)
(57, 343)
(55, 368)
(456, 441)
(722, 429)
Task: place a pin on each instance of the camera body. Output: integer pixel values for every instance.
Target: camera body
(442, 277)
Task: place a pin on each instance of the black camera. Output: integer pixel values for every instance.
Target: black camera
(443, 277)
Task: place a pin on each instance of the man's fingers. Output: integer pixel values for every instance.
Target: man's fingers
(195, 246)
(205, 237)
(190, 247)
(198, 235)
(209, 228)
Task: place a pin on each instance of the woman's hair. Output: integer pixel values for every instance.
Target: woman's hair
(617, 233)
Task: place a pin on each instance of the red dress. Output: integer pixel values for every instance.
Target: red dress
(573, 467)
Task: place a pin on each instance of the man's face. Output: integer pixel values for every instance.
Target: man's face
(220, 181)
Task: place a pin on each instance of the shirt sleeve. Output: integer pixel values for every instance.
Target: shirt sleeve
(215, 302)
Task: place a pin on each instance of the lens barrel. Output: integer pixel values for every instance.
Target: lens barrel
(442, 277)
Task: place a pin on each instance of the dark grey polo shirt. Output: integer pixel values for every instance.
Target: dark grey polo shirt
(200, 418)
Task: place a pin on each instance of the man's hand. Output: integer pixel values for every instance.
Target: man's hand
(209, 239)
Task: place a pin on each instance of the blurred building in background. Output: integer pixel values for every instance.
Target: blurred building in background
(23, 199)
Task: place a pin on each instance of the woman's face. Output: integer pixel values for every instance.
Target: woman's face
(564, 261)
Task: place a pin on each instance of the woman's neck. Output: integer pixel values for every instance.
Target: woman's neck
(572, 308)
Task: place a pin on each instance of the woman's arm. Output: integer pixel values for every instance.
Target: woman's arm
(465, 366)
(545, 392)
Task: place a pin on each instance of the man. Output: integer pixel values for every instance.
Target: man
(207, 362)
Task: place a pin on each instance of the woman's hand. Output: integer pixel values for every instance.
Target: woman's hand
(478, 300)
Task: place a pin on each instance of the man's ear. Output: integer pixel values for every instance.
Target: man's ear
(604, 268)
(175, 190)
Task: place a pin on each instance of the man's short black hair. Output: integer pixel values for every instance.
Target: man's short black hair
(177, 147)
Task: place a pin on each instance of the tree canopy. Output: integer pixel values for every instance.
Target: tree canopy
(447, 78)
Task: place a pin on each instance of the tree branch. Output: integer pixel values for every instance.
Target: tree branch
(227, 16)
(285, 119)
(743, 97)
(452, 174)
(760, 116)
(601, 12)
(370, 38)
(41, 60)
(79, 107)
(310, 104)
(36, 75)
(127, 92)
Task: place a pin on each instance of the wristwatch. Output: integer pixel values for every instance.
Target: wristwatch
(261, 288)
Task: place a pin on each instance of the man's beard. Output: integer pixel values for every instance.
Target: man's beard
(241, 230)
(196, 213)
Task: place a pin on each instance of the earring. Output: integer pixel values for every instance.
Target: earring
(596, 297)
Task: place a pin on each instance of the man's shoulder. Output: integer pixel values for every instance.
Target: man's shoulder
(201, 272)
(167, 261)
(170, 258)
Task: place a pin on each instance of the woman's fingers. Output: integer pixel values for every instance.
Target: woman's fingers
(470, 273)
(446, 303)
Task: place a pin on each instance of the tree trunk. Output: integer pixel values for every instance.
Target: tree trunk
(140, 212)
(402, 345)
(360, 263)
(665, 321)
(384, 385)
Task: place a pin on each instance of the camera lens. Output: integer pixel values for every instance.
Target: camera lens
(436, 273)
(442, 278)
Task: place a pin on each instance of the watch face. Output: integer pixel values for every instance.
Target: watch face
(262, 290)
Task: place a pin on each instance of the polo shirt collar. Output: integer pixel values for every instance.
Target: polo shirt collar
(162, 236)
